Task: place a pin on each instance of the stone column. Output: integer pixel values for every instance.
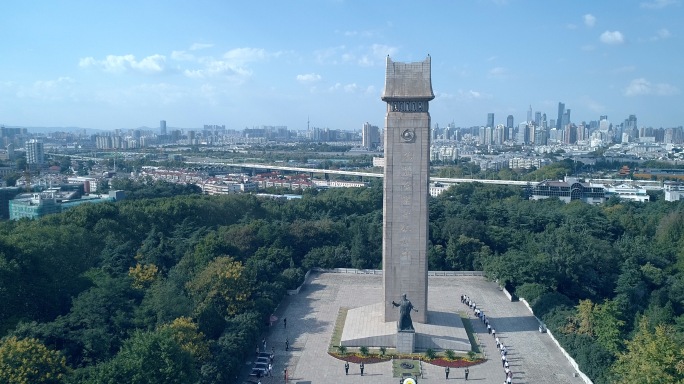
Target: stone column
(408, 89)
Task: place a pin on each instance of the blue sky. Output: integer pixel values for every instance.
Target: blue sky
(126, 64)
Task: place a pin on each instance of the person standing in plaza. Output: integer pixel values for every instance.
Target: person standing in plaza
(284, 322)
(287, 344)
(446, 372)
(467, 371)
(346, 368)
(361, 367)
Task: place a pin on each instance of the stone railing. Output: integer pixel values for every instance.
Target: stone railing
(296, 291)
(572, 361)
(354, 271)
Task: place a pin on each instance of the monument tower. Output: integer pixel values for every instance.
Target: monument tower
(408, 90)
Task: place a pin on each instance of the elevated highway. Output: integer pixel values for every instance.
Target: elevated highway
(312, 171)
(268, 167)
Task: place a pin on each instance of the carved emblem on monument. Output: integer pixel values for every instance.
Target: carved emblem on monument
(408, 136)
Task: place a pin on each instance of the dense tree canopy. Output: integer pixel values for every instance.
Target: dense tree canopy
(193, 277)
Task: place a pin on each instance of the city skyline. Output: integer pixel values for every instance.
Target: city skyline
(131, 64)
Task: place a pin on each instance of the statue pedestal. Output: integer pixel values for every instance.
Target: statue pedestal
(406, 341)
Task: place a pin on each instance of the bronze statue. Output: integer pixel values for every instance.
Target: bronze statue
(405, 308)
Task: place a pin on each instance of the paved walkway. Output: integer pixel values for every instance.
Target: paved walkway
(311, 316)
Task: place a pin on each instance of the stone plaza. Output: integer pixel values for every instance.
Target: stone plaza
(312, 313)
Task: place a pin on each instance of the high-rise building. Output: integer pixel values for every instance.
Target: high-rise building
(485, 136)
(529, 115)
(559, 121)
(566, 118)
(490, 120)
(509, 121)
(34, 152)
(370, 136)
(537, 119)
(162, 127)
(523, 136)
(498, 134)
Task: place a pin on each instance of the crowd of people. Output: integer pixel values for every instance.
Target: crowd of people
(503, 351)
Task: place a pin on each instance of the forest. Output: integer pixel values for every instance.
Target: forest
(179, 288)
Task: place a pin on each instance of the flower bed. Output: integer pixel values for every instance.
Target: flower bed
(355, 358)
(373, 358)
(458, 363)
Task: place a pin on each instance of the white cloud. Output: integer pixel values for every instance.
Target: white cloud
(309, 78)
(349, 88)
(661, 34)
(182, 56)
(623, 69)
(658, 4)
(221, 68)
(641, 86)
(199, 46)
(498, 72)
(245, 55)
(120, 64)
(364, 56)
(593, 105)
(329, 55)
(612, 37)
(462, 95)
(232, 66)
(58, 89)
(589, 20)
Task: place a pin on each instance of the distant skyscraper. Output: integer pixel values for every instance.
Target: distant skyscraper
(490, 120)
(509, 121)
(537, 119)
(523, 136)
(34, 152)
(370, 136)
(566, 118)
(498, 134)
(162, 127)
(529, 115)
(559, 121)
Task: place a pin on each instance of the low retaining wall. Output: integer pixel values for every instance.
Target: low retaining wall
(354, 271)
(572, 361)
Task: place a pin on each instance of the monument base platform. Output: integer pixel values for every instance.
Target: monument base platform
(406, 341)
(365, 326)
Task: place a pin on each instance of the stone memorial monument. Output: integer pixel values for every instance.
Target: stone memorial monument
(408, 90)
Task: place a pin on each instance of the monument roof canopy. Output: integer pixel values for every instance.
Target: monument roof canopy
(408, 81)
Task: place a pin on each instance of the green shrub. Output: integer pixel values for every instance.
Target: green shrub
(430, 354)
(548, 301)
(531, 292)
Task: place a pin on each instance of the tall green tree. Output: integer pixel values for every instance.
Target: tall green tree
(28, 361)
(652, 356)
